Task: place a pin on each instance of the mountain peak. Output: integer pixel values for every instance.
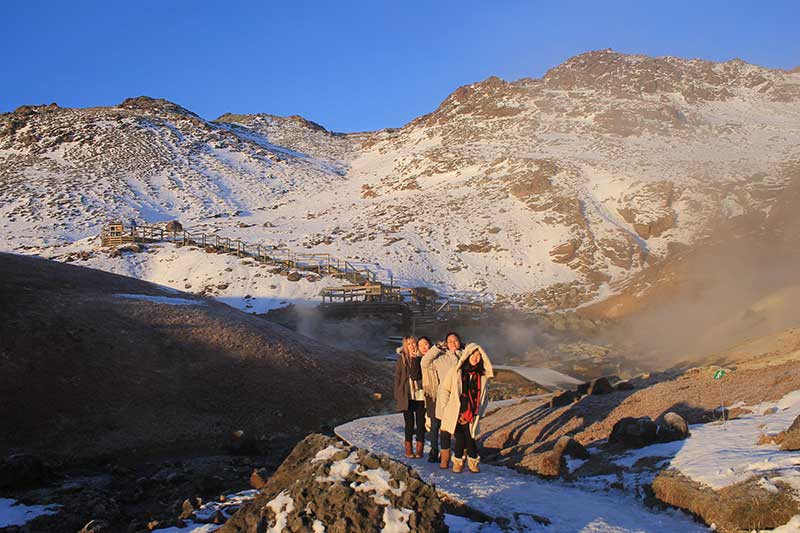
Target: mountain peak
(148, 103)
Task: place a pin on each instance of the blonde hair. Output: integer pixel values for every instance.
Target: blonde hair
(405, 344)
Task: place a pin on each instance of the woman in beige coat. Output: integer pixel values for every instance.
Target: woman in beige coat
(465, 398)
(437, 363)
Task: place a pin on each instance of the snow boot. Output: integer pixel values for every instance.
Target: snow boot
(419, 451)
(409, 453)
(444, 459)
(433, 457)
(472, 464)
(458, 464)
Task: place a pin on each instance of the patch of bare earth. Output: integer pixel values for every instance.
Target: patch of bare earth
(85, 373)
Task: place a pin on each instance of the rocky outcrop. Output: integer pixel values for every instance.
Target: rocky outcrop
(326, 484)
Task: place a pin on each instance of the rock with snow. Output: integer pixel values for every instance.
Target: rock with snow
(326, 485)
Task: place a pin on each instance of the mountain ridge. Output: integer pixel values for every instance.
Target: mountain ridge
(548, 192)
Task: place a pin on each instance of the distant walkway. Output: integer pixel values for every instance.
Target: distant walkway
(365, 292)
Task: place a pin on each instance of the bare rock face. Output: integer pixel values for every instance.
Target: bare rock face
(325, 483)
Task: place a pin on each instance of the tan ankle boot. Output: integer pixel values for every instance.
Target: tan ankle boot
(458, 465)
(409, 453)
(444, 459)
(419, 450)
(472, 464)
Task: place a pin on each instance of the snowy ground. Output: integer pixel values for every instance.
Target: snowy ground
(14, 513)
(722, 455)
(500, 491)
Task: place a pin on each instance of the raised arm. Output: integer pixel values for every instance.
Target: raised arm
(430, 356)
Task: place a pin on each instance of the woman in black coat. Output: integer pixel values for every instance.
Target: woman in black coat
(409, 395)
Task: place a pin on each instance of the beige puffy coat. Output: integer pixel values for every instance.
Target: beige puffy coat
(451, 392)
(436, 365)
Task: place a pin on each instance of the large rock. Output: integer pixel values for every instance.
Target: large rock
(552, 463)
(562, 399)
(20, 469)
(325, 483)
(639, 432)
(599, 386)
(634, 432)
(791, 437)
(672, 427)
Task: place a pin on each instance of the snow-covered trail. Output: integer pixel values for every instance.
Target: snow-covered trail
(500, 491)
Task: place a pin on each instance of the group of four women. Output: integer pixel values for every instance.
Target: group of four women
(442, 387)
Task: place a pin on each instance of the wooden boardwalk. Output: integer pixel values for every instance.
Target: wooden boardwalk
(364, 287)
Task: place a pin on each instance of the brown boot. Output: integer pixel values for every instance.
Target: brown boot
(409, 453)
(472, 464)
(419, 450)
(458, 464)
(444, 459)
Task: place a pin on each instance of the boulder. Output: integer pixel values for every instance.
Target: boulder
(562, 398)
(569, 446)
(324, 483)
(791, 437)
(552, 463)
(634, 432)
(624, 385)
(599, 386)
(672, 427)
(294, 276)
(18, 470)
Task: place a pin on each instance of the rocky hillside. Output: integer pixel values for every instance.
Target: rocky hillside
(541, 193)
(95, 364)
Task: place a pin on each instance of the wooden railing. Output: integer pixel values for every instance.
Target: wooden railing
(365, 284)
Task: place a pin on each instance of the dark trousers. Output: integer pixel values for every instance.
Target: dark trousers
(444, 439)
(464, 440)
(415, 413)
(436, 424)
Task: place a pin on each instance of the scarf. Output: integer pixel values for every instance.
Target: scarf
(470, 391)
(414, 366)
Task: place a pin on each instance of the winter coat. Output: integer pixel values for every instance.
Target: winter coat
(451, 392)
(402, 387)
(436, 364)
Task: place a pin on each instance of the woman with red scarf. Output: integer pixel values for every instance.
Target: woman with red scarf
(465, 395)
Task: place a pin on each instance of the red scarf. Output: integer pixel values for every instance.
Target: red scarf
(470, 392)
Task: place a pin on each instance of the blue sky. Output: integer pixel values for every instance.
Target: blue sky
(349, 65)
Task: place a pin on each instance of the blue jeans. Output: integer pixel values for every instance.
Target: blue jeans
(436, 424)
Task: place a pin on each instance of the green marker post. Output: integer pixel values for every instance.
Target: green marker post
(718, 375)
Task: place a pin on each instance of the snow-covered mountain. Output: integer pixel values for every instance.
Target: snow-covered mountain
(540, 192)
